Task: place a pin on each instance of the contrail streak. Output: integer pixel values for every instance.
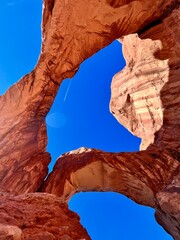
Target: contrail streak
(67, 91)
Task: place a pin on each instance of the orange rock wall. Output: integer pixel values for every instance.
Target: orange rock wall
(145, 99)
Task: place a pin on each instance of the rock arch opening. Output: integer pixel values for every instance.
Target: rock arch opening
(84, 102)
(113, 216)
(24, 160)
(70, 92)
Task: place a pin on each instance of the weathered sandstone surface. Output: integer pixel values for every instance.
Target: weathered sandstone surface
(72, 32)
(145, 94)
(36, 216)
(145, 99)
(137, 175)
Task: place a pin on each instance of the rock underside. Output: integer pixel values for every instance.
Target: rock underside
(144, 98)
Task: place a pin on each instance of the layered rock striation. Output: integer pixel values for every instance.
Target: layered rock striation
(145, 99)
(145, 94)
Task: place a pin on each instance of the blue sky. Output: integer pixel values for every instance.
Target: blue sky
(79, 117)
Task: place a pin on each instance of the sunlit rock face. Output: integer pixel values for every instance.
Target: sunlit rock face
(144, 99)
(145, 94)
(38, 216)
(135, 99)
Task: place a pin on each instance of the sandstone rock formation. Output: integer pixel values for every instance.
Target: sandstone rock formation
(145, 95)
(38, 216)
(72, 32)
(127, 173)
(144, 98)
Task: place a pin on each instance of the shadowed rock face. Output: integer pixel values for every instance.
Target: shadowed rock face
(144, 99)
